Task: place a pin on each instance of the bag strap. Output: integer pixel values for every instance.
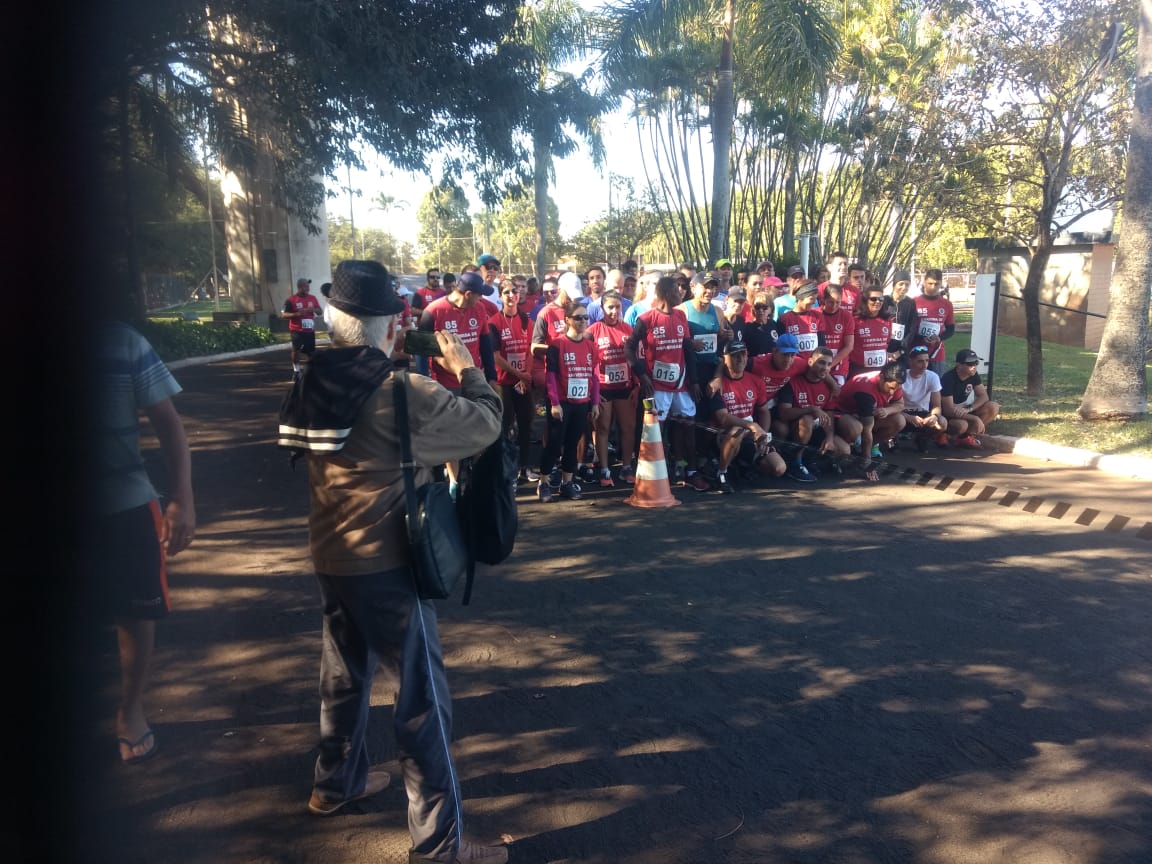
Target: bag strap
(407, 466)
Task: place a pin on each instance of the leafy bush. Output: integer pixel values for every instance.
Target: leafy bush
(177, 340)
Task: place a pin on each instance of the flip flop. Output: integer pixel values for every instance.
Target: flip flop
(132, 745)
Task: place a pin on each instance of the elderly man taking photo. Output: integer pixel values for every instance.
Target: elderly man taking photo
(342, 413)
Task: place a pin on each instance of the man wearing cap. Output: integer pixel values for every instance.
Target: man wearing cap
(489, 268)
(709, 329)
(740, 409)
(766, 269)
(935, 320)
(462, 314)
(775, 370)
(300, 309)
(807, 404)
(805, 321)
(723, 270)
(735, 305)
(922, 408)
(786, 296)
(964, 401)
(341, 413)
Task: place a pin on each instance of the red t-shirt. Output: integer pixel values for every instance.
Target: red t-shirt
(510, 339)
(742, 396)
(427, 295)
(554, 326)
(836, 326)
(865, 382)
(663, 334)
(872, 337)
(809, 394)
(309, 306)
(805, 326)
(468, 324)
(774, 378)
(613, 369)
(572, 371)
(933, 314)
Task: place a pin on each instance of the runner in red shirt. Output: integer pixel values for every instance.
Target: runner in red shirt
(618, 389)
(461, 313)
(430, 291)
(775, 369)
(807, 404)
(662, 356)
(874, 403)
(301, 309)
(574, 398)
(839, 331)
(740, 408)
(804, 321)
(935, 320)
(873, 334)
(510, 329)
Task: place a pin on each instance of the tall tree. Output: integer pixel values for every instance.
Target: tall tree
(513, 234)
(563, 105)
(446, 238)
(1049, 94)
(1118, 388)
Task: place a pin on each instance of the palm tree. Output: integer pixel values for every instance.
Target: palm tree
(1118, 388)
(641, 34)
(556, 32)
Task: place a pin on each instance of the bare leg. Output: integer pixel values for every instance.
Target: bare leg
(137, 639)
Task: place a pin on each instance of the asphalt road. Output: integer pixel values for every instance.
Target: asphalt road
(905, 671)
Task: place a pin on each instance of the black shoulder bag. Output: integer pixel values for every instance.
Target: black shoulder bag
(439, 553)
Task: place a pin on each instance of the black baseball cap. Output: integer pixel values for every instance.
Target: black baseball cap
(967, 355)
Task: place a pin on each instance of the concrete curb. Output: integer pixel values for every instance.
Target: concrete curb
(1136, 467)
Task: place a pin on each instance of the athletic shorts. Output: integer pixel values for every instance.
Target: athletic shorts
(130, 564)
(615, 395)
(673, 402)
(304, 341)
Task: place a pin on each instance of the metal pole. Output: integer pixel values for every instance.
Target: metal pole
(992, 339)
(211, 227)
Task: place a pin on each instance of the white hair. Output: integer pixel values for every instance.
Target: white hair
(349, 331)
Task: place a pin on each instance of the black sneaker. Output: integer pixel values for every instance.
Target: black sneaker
(544, 491)
(800, 473)
(587, 473)
(571, 491)
(921, 443)
(723, 484)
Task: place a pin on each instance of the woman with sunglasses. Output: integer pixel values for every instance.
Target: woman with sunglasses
(760, 333)
(510, 330)
(873, 333)
(573, 385)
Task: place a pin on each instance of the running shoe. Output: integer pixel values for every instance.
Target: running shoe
(697, 481)
(554, 479)
(544, 491)
(725, 486)
(628, 474)
(529, 475)
(800, 473)
(606, 478)
(942, 440)
(969, 441)
(571, 491)
(877, 453)
(587, 473)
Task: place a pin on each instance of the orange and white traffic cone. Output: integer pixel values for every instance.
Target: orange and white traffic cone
(652, 488)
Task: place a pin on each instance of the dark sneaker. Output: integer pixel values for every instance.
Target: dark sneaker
(724, 485)
(376, 783)
(544, 491)
(587, 473)
(628, 474)
(921, 443)
(571, 491)
(473, 853)
(554, 479)
(969, 441)
(942, 440)
(800, 473)
(697, 481)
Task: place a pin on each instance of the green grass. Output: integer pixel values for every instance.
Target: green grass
(1053, 417)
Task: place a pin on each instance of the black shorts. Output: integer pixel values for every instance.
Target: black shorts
(129, 562)
(609, 394)
(304, 341)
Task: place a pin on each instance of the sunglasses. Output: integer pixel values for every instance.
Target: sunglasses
(760, 307)
(970, 363)
(875, 299)
(578, 317)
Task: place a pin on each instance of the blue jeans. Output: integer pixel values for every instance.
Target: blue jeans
(378, 618)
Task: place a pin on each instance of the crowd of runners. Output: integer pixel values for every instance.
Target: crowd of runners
(748, 373)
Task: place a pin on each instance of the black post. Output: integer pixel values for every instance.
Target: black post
(992, 341)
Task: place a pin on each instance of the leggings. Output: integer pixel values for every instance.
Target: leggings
(519, 411)
(564, 437)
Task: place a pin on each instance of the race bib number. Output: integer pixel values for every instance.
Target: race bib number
(929, 329)
(616, 373)
(898, 332)
(875, 359)
(577, 389)
(669, 373)
(307, 323)
(807, 342)
(707, 343)
(517, 361)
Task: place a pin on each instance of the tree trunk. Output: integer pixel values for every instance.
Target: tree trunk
(788, 231)
(1118, 388)
(542, 154)
(723, 116)
(1031, 293)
